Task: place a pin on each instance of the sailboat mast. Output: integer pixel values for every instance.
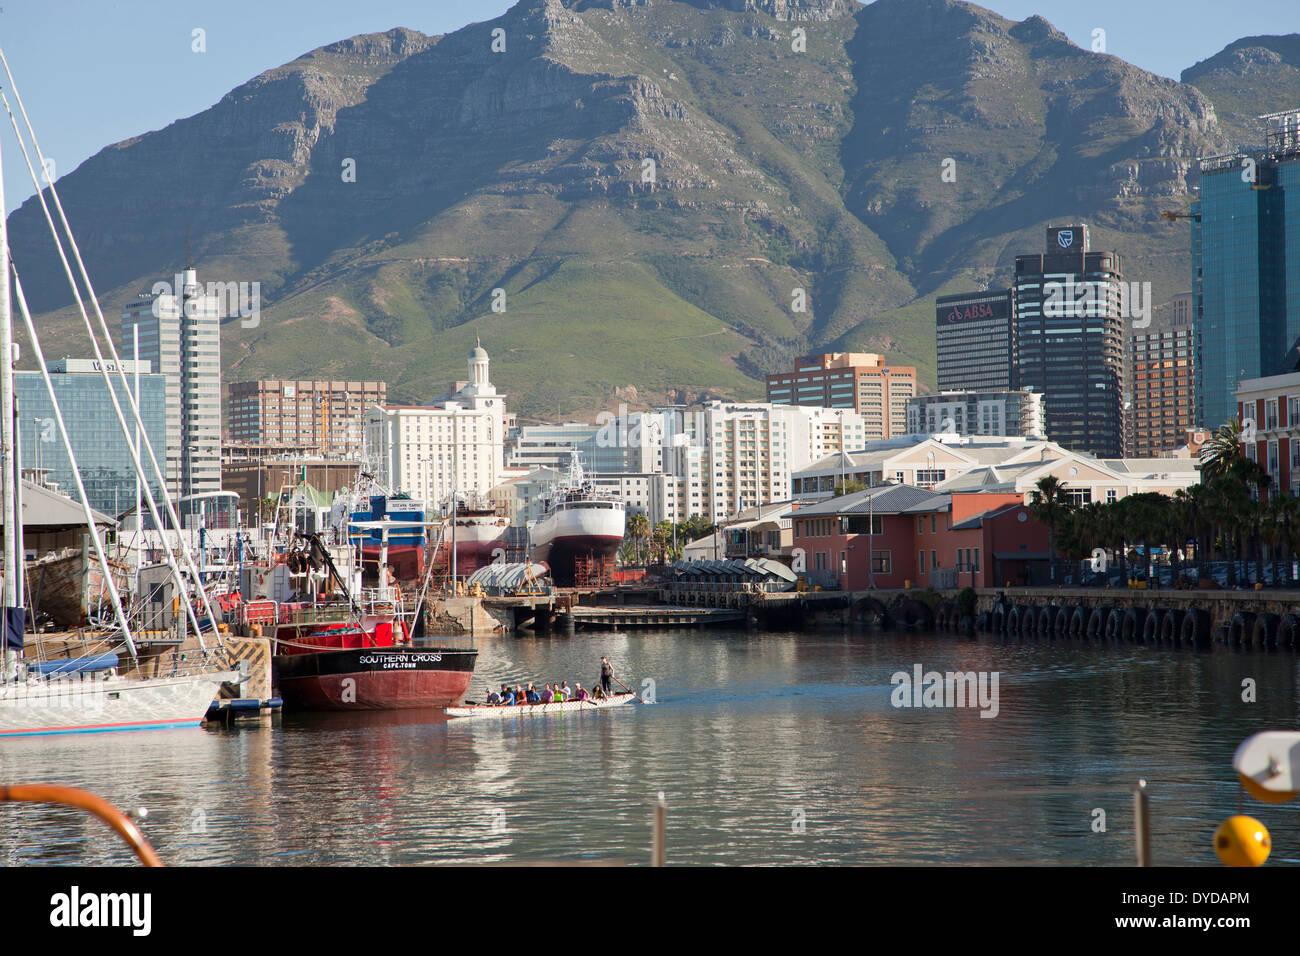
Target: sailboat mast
(13, 527)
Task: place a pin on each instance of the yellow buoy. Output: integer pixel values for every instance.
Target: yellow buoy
(1242, 841)
(1265, 796)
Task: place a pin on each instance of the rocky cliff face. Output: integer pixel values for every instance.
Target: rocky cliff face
(669, 195)
(1249, 78)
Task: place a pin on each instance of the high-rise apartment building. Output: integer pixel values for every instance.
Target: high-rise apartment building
(180, 336)
(975, 341)
(728, 456)
(327, 416)
(1161, 386)
(1245, 271)
(1070, 339)
(857, 380)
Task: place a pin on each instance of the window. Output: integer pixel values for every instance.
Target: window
(920, 562)
(1270, 413)
(934, 559)
(920, 525)
(881, 562)
(932, 522)
(1272, 458)
(1078, 496)
(1111, 495)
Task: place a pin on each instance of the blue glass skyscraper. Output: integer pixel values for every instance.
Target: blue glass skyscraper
(1246, 266)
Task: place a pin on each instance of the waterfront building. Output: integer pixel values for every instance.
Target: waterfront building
(1005, 412)
(180, 336)
(1161, 375)
(259, 477)
(896, 536)
(944, 463)
(1070, 339)
(455, 445)
(107, 471)
(851, 380)
(975, 341)
(1245, 272)
(1269, 408)
(326, 416)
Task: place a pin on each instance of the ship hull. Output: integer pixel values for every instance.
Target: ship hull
(564, 537)
(375, 678)
(93, 705)
(480, 540)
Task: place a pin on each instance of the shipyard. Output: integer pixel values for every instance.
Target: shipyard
(788, 434)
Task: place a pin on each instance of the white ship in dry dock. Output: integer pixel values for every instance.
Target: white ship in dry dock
(578, 524)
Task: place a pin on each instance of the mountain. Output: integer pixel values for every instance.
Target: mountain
(1248, 78)
(650, 184)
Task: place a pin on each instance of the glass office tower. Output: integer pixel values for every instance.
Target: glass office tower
(1245, 276)
(105, 462)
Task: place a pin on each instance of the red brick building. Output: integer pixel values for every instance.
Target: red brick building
(922, 539)
(1272, 404)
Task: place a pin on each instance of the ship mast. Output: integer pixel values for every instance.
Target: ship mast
(11, 633)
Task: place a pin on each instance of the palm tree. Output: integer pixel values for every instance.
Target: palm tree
(638, 527)
(1221, 455)
(1050, 504)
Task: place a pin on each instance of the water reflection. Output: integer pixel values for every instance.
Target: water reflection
(771, 748)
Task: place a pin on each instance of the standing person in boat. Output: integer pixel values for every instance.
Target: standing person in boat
(606, 675)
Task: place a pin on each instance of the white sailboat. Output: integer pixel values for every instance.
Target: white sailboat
(84, 694)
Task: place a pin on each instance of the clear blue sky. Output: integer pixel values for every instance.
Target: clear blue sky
(93, 72)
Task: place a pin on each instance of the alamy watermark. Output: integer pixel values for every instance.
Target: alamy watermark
(219, 299)
(923, 688)
(1132, 300)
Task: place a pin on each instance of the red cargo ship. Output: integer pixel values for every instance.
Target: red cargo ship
(370, 667)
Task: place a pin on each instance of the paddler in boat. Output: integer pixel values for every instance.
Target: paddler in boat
(531, 695)
(547, 695)
(597, 693)
(493, 698)
(507, 696)
(580, 694)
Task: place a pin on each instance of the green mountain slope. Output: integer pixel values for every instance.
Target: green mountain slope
(651, 188)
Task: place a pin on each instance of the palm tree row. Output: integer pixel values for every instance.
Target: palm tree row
(643, 543)
(1228, 516)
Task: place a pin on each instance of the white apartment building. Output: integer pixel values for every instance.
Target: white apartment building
(180, 335)
(999, 412)
(455, 445)
(727, 456)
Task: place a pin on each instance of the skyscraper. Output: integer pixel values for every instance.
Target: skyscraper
(180, 335)
(975, 341)
(1245, 280)
(1070, 339)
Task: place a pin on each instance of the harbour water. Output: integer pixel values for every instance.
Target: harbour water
(770, 748)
